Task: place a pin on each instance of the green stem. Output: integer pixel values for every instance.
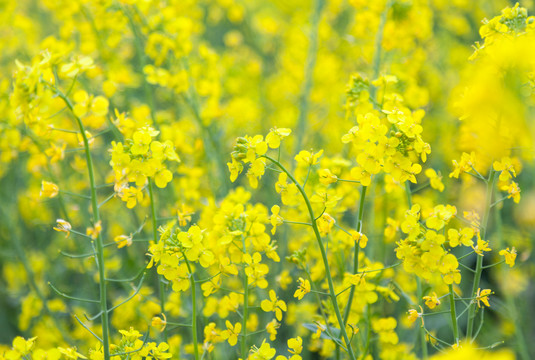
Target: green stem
(356, 258)
(522, 347)
(304, 98)
(155, 238)
(332, 293)
(245, 307)
(421, 330)
(419, 292)
(96, 219)
(479, 263)
(453, 313)
(193, 310)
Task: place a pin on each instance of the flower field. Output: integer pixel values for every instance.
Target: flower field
(286, 180)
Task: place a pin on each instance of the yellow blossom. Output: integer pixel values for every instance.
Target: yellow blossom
(48, 189)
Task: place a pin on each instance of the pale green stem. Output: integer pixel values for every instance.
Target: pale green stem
(356, 258)
(193, 310)
(479, 263)
(245, 308)
(453, 313)
(332, 293)
(161, 289)
(421, 331)
(510, 299)
(96, 219)
(419, 292)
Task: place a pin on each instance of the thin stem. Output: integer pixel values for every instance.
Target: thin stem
(96, 219)
(193, 310)
(479, 263)
(421, 331)
(245, 308)
(356, 257)
(453, 315)
(419, 292)
(323, 256)
(349, 181)
(155, 238)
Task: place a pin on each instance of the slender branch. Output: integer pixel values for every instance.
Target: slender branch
(479, 263)
(356, 250)
(323, 256)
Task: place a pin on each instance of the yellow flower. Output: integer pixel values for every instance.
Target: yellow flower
(360, 238)
(483, 296)
(123, 240)
(63, 226)
(295, 345)
(481, 246)
(48, 189)
(264, 352)
(275, 219)
(510, 256)
(284, 279)
(159, 322)
(163, 177)
(274, 304)
(513, 191)
(325, 223)
(70, 353)
(327, 177)
(306, 158)
(303, 289)
(273, 139)
(414, 315)
(432, 301)
(506, 168)
(231, 333)
(94, 231)
(435, 179)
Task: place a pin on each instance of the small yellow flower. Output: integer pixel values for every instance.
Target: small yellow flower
(274, 304)
(123, 240)
(295, 345)
(275, 219)
(483, 296)
(63, 226)
(432, 301)
(327, 177)
(159, 321)
(232, 332)
(303, 289)
(273, 139)
(48, 189)
(360, 238)
(481, 246)
(435, 179)
(414, 315)
(94, 231)
(510, 256)
(306, 158)
(325, 223)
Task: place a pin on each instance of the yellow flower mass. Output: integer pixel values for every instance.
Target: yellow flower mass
(286, 180)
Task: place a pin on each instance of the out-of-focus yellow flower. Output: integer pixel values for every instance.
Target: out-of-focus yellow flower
(303, 289)
(510, 256)
(63, 226)
(48, 189)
